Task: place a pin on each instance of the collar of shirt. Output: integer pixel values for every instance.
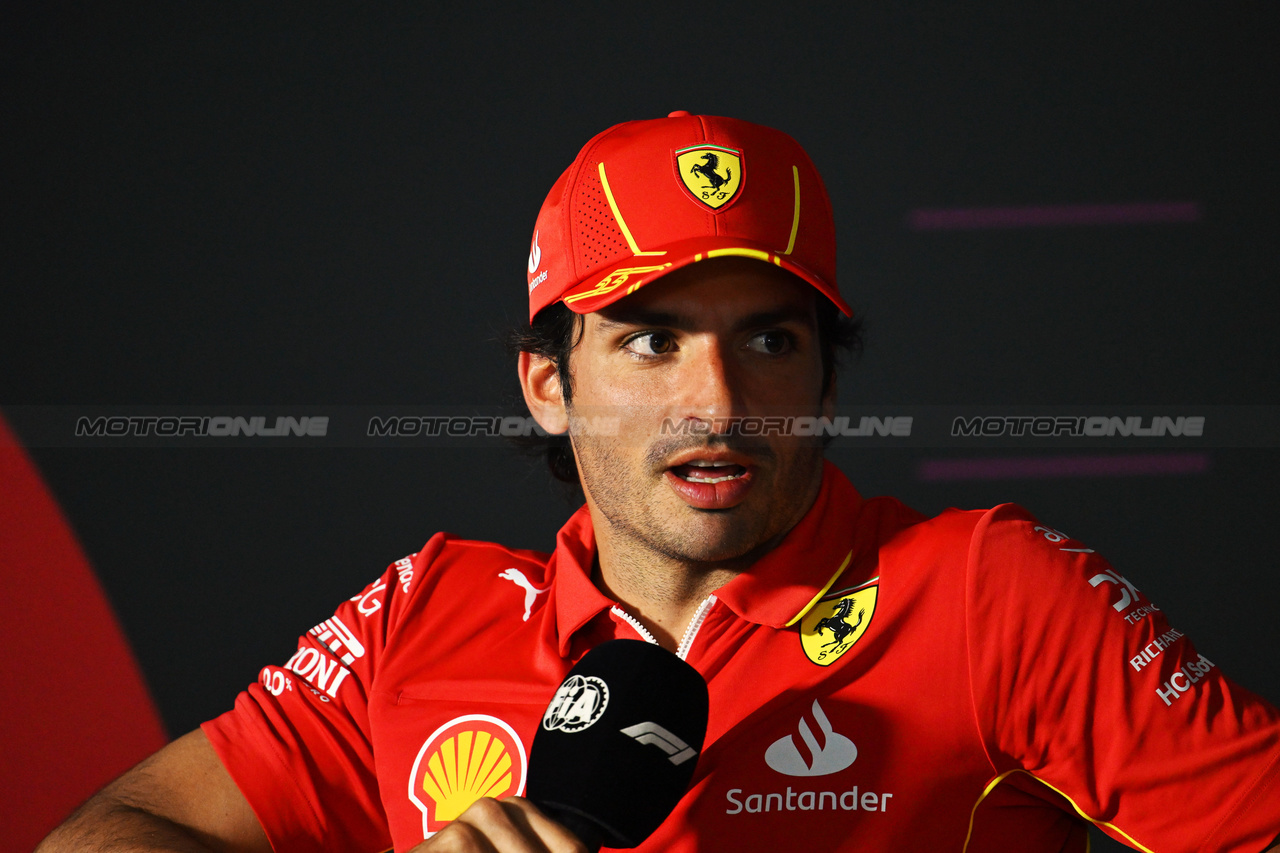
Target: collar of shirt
(776, 591)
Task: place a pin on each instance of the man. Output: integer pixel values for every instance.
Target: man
(878, 680)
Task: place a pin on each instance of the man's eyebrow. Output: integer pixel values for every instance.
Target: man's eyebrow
(632, 317)
(617, 319)
(802, 314)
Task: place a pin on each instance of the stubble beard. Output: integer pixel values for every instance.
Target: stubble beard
(645, 512)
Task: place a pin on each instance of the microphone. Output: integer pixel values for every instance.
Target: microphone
(619, 742)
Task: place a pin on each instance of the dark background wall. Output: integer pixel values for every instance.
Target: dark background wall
(300, 208)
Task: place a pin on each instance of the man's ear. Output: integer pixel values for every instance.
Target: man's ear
(540, 381)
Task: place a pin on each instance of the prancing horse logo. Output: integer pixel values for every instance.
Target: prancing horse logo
(831, 628)
(838, 624)
(712, 174)
(707, 169)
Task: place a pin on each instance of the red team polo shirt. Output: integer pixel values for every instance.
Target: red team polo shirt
(880, 681)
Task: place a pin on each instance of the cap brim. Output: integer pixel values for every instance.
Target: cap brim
(609, 284)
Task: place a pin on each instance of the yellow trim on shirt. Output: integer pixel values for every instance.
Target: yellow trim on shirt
(996, 781)
(821, 592)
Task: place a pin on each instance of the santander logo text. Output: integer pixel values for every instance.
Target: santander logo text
(535, 261)
(535, 255)
(822, 753)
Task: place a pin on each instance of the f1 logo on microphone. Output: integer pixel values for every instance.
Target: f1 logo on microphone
(678, 751)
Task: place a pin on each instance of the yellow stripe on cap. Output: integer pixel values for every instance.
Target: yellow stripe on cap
(795, 217)
(758, 254)
(617, 215)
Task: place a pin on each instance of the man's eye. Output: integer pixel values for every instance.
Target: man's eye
(773, 343)
(651, 343)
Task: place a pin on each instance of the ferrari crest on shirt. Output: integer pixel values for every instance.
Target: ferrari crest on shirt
(837, 622)
(712, 174)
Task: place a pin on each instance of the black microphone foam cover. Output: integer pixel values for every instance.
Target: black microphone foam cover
(619, 742)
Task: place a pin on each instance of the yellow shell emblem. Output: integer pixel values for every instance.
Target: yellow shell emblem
(712, 174)
(465, 759)
(836, 623)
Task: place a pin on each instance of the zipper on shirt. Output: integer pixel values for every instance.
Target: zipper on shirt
(691, 632)
(635, 623)
(686, 642)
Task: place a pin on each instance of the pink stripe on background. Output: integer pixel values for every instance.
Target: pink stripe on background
(1049, 216)
(1051, 467)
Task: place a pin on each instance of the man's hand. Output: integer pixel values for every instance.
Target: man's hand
(180, 799)
(513, 825)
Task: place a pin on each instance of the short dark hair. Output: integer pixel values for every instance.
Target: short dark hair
(556, 331)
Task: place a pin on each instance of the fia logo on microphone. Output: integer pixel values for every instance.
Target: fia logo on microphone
(578, 703)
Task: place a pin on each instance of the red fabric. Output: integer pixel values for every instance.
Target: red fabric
(1087, 713)
(778, 209)
(986, 654)
(76, 711)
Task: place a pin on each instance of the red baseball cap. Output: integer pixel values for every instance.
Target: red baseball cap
(645, 198)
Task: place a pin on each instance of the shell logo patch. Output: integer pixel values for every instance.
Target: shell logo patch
(465, 759)
(837, 622)
(712, 174)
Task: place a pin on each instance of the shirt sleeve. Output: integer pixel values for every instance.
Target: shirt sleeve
(1080, 682)
(297, 742)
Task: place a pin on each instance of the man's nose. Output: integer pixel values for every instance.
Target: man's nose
(710, 386)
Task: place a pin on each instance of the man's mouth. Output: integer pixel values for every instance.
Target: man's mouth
(706, 471)
(710, 484)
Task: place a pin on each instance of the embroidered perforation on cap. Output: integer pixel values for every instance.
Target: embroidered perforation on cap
(598, 234)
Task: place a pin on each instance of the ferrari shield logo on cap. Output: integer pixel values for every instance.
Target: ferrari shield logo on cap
(712, 174)
(837, 622)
